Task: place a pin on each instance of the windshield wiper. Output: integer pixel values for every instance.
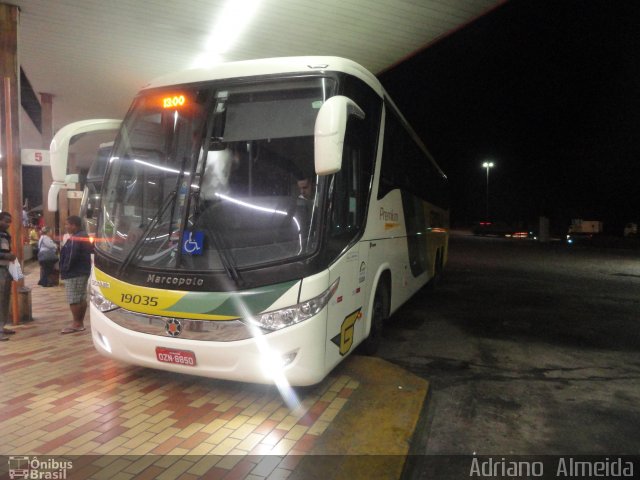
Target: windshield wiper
(228, 262)
(170, 200)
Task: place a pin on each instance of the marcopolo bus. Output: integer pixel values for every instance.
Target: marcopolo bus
(261, 219)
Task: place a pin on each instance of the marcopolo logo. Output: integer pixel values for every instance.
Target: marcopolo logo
(175, 281)
(38, 469)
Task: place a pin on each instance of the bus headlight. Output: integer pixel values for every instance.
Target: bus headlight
(100, 302)
(285, 317)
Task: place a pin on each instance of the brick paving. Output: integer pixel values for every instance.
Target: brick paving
(59, 397)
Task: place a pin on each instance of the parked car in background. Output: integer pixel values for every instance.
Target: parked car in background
(584, 227)
(496, 229)
(581, 231)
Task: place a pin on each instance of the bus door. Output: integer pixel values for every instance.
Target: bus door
(349, 194)
(346, 322)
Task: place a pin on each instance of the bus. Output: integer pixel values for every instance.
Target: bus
(59, 159)
(90, 203)
(261, 219)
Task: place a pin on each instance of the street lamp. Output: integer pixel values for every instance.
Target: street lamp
(487, 165)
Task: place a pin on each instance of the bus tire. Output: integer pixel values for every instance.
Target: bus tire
(380, 312)
(436, 280)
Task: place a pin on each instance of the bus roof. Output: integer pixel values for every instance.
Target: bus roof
(269, 66)
(284, 65)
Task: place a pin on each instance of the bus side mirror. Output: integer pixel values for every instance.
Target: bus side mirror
(330, 128)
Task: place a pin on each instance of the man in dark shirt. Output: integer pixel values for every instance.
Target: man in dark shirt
(6, 257)
(75, 268)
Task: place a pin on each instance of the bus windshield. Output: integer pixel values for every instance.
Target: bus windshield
(216, 177)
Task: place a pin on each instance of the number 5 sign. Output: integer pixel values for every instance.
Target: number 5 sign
(34, 157)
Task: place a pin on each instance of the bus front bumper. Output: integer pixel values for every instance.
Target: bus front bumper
(294, 354)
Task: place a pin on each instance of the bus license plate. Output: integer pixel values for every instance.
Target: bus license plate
(178, 357)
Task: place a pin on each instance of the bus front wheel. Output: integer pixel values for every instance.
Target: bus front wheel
(380, 312)
(436, 280)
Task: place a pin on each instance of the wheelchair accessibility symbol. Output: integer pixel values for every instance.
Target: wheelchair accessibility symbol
(192, 243)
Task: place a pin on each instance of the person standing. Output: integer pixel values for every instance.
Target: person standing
(6, 257)
(47, 258)
(75, 268)
(33, 240)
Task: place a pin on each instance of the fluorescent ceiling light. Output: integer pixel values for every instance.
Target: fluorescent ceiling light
(229, 25)
(206, 60)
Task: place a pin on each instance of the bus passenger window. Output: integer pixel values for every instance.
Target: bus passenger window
(351, 187)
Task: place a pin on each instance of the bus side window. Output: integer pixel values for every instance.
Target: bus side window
(351, 186)
(344, 217)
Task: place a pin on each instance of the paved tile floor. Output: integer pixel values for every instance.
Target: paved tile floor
(60, 397)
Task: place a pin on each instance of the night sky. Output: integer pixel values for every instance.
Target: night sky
(549, 91)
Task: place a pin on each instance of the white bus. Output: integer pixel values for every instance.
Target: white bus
(62, 179)
(90, 204)
(261, 219)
